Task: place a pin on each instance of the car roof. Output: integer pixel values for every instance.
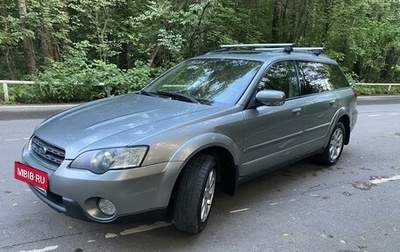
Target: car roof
(270, 54)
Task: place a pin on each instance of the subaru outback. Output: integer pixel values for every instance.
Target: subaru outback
(215, 120)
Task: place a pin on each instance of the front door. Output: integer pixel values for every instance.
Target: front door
(272, 133)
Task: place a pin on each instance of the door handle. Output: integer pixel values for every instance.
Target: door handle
(296, 111)
(332, 103)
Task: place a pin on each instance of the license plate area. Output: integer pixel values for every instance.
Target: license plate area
(30, 175)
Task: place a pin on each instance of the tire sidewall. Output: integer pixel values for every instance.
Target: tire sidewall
(202, 224)
(331, 161)
(190, 194)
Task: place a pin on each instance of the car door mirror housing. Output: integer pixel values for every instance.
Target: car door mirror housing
(271, 97)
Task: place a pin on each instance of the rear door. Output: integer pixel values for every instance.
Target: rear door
(273, 133)
(320, 104)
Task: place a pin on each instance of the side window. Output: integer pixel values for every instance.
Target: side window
(317, 77)
(281, 76)
(337, 77)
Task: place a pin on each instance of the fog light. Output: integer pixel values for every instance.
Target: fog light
(106, 206)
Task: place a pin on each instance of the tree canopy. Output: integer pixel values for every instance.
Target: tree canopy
(128, 41)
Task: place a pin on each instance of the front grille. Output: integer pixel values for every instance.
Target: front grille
(46, 152)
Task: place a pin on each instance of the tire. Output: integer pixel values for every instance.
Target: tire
(195, 194)
(335, 146)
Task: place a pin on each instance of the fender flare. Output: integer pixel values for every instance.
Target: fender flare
(204, 141)
(335, 119)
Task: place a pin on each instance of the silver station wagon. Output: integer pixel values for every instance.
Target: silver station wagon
(210, 122)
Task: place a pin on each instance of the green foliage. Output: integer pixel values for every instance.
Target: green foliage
(78, 44)
(91, 81)
(377, 90)
(78, 79)
(23, 94)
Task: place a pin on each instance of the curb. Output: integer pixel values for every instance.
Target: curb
(14, 112)
(36, 107)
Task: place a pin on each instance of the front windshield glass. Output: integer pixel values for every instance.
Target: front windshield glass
(207, 81)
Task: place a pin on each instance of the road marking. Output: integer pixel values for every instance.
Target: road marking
(240, 210)
(11, 140)
(42, 250)
(145, 228)
(292, 200)
(15, 139)
(276, 203)
(384, 180)
(374, 115)
(111, 235)
(394, 114)
(140, 229)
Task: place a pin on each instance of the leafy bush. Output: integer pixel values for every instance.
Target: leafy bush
(377, 90)
(76, 80)
(71, 82)
(22, 94)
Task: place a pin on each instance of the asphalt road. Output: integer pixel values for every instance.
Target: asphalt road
(352, 206)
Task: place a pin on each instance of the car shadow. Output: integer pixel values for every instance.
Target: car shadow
(283, 185)
(260, 197)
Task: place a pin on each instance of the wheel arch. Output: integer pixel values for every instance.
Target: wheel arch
(345, 119)
(226, 155)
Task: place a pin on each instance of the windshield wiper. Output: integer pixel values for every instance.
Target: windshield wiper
(179, 96)
(142, 92)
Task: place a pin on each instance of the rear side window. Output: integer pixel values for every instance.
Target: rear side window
(318, 77)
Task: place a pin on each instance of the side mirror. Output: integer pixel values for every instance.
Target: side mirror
(271, 97)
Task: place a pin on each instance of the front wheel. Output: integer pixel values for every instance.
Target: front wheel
(195, 194)
(334, 148)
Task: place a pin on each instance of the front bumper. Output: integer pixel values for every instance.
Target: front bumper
(134, 192)
(72, 209)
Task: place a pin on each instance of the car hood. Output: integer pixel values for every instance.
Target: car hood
(117, 121)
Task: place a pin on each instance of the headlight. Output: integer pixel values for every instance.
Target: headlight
(100, 161)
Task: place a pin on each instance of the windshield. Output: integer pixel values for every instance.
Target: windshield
(206, 81)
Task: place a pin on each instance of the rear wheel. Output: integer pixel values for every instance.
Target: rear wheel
(334, 148)
(195, 194)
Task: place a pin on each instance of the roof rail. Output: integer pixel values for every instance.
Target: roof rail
(316, 50)
(286, 47)
(308, 48)
(263, 46)
(270, 45)
(289, 49)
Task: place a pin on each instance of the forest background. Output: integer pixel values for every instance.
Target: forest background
(70, 48)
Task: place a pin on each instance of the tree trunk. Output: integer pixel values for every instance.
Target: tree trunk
(276, 20)
(294, 22)
(48, 44)
(196, 29)
(153, 56)
(387, 71)
(27, 41)
(123, 62)
(327, 13)
(7, 57)
(8, 62)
